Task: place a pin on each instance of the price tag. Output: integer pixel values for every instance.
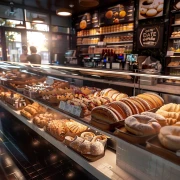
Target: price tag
(68, 108)
(77, 111)
(62, 105)
(49, 81)
(170, 53)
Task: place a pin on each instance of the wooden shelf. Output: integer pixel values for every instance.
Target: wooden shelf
(110, 33)
(175, 25)
(176, 67)
(86, 44)
(174, 37)
(122, 42)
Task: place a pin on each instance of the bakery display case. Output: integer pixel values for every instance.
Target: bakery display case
(100, 119)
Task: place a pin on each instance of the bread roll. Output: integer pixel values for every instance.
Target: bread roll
(142, 125)
(169, 137)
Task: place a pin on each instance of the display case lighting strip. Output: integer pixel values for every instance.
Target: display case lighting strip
(99, 71)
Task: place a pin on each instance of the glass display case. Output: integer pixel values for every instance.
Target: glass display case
(80, 94)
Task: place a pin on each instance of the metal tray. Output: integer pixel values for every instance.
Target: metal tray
(122, 133)
(153, 145)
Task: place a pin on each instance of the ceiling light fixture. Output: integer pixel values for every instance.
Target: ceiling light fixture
(64, 12)
(20, 26)
(89, 3)
(38, 20)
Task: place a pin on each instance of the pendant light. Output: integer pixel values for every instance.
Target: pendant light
(38, 20)
(64, 12)
(89, 3)
(20, 26)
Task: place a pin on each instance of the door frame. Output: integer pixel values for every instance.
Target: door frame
(3, 38)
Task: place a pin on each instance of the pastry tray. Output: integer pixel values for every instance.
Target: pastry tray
(106, 126)
(122, 133)
(90, 158)
(14, 108)
(153, 145)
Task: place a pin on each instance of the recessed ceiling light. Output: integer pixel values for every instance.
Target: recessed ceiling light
(64, 12)
(89, 3)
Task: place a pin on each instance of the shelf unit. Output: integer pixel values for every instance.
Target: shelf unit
(122, 42)
(110, 33)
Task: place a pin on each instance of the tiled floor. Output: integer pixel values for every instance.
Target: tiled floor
(25, 155)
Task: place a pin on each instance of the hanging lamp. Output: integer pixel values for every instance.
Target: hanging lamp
(89, 3)
(64, 12)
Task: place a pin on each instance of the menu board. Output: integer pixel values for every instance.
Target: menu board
(176, 5)
(117, 14)
(150, 37)
(150, 8)
(87, 21)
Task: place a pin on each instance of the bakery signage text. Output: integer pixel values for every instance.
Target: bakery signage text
(150, 37)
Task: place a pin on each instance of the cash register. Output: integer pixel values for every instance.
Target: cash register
(71, 58)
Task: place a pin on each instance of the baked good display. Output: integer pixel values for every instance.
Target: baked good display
(41, 120)
(161, 120)
(171, 112)
(151, 8)
(94, 147)
(15, 101)
(57, 128)
(174, 63)
(74, 128)
(87, 135)
(152, 99)
(169, 137)
(31, 110)
(142, 125)
(64, 127)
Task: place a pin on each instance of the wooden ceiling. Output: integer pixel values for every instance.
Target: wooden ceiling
(52, 5)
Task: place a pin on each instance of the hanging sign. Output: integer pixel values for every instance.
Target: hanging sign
(150, 37)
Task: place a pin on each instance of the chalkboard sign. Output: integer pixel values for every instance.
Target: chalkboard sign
(150, 37)
(87, 21)
(121, 13)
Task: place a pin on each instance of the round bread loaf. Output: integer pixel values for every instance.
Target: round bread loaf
(162, 121)
(125, 108)
(169, 137)
(149, 100)
(142, 125)
(157, 98)
(144, 103)
(104, 114)
(132, 106)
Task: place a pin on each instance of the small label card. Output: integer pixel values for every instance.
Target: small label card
(49, 81)
(170, 53)
(77, 111)
(62, 105)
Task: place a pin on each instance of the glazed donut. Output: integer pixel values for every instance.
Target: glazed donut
(169, 137)
(161, 120)
(142, 125)
(87, 135)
